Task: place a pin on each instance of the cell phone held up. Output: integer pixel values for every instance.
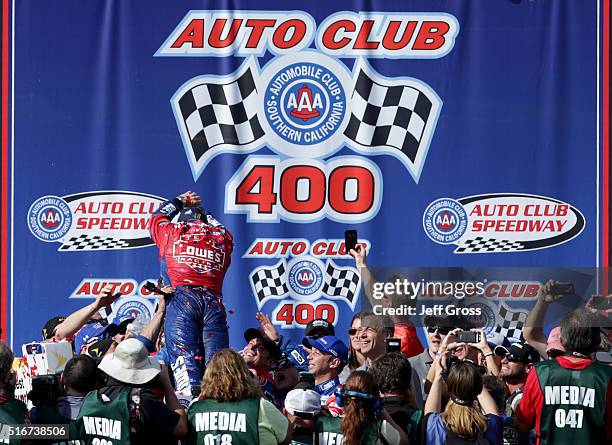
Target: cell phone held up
(468, 337)
(350, 240)
(563, 289)
(393, 344)
(601, 303)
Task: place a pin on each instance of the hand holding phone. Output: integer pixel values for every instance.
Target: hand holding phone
(468, 337)
(350, 240)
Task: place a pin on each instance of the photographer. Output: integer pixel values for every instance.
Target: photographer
(80, 376)
(393, 373)
(127, 404)
(569, 399)
(364, 421)
(12, 411)
(461, 422)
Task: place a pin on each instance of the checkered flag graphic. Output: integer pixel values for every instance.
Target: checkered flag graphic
(398, 115)
(269, 281)
(341, 282)
(217, 112)
(480, 244)
(94, 242)
(510, 323)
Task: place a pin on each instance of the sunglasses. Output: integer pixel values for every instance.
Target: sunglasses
(554, 353)
(354, 331)
(441, 329)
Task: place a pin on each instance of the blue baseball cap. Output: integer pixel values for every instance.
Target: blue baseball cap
(89, 333)
(190, 214)
(328, 344)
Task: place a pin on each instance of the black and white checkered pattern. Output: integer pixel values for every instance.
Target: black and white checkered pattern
(480, 244)
(388, 115)
(93, 242)
(510, 323)
(217, 113)
(269, 281)
(340, 282)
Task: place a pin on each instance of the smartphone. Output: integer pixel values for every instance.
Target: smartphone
(307, 377)
(350, 240)
(601, 302)
(393, 344)
(468, 337)
(563, 289)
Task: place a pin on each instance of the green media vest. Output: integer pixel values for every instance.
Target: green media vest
(106, 423)
(574, 403)
(329, 432)
(50, 414)
(12, 411)
(224, 423)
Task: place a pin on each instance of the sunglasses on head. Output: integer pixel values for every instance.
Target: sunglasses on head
(443, 330)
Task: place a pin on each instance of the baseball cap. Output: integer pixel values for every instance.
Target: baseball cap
(89, 333)
(522, 352)
(328, 344)
(272, 348)
(321, 327)
(190, 214)
(49, 327)
(119, 323)
(303, 403)
(554, 340)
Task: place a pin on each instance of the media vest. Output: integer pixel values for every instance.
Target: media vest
(50, 414)
(574, 403)
(108, 422)
(12, 411)
(329, 432)
(215, 422)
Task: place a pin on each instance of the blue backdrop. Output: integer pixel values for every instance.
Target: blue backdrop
(505, 102)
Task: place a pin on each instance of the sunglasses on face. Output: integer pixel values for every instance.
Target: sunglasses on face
(441, 330)
(554, 353)
(354, 331)
(513, 358)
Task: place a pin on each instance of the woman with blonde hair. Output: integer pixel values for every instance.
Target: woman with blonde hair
(470, 416)
(364, 421)
(230, 408)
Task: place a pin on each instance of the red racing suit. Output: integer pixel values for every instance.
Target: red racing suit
(197, 253)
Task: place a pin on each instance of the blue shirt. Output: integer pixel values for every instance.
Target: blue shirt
(436, 431)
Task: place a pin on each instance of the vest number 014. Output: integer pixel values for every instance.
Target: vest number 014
(305, 190)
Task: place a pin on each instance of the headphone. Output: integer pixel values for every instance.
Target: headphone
(343, 394)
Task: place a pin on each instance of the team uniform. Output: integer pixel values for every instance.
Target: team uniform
(195, 254)
(568, 402)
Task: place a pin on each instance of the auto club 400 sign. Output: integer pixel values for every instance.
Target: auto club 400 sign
(425, 127)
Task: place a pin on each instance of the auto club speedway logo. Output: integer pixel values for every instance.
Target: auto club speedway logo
(97, 220)
(305, 278)
(502, 222)
(305, 105)
(135, 299)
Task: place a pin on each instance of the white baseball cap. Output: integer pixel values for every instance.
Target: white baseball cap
(130, 363)
(303, 401)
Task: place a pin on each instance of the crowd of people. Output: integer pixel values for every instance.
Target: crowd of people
(174, 378)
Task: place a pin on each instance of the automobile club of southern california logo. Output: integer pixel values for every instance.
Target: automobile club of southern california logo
(305, 102)
(305, 277)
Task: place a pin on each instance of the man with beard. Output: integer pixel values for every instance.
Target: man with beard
(259, 355)
(517, 362)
